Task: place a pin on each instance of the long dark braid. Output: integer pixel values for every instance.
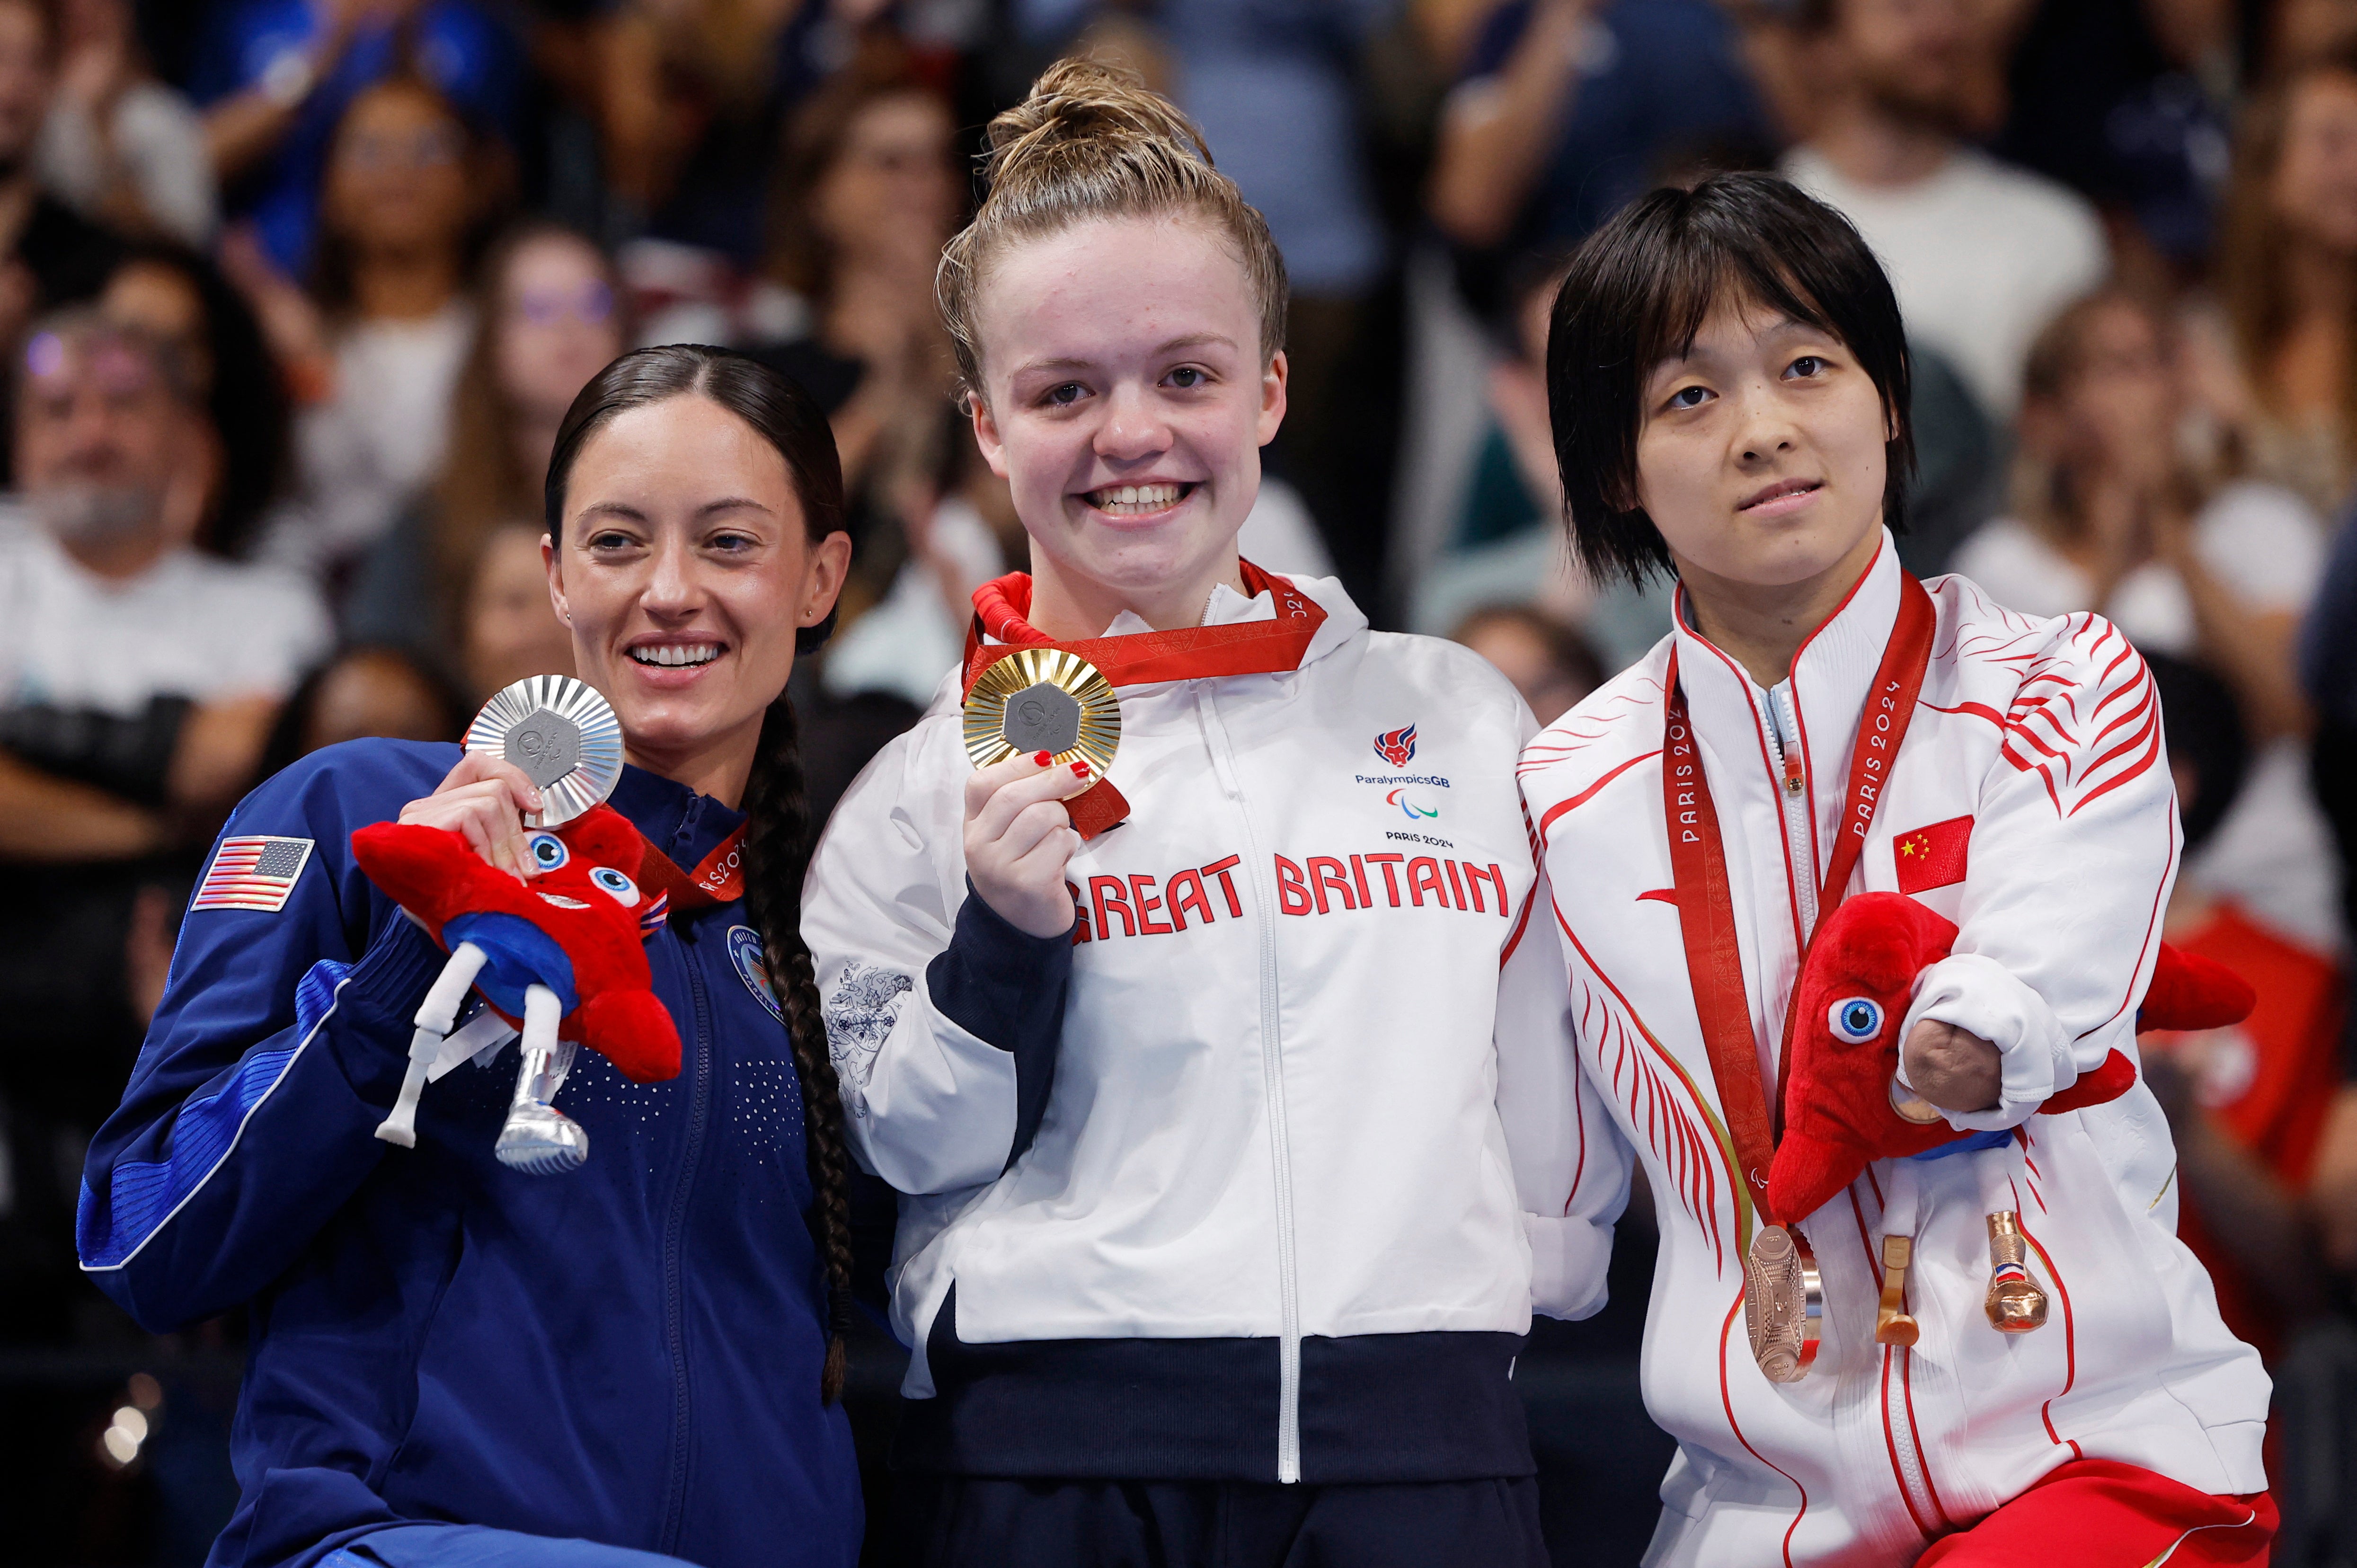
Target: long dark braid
(776, 853)
(776, 807)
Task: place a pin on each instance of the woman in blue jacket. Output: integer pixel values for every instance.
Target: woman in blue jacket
(452, 1363)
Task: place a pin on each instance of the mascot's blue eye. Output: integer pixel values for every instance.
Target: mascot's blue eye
(548, 851)
(625, 891)
(1857, 1020)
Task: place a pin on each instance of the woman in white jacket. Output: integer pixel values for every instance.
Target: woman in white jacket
(1211, 1247)
(1727, 380)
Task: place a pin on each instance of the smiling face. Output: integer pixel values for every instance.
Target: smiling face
(1760, 456)
(685, 569)
(1125, 401)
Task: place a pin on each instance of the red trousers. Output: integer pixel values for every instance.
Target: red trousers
(2098, 1513)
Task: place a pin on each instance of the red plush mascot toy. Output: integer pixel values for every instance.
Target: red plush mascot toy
(1845, 1108)
(561, 958)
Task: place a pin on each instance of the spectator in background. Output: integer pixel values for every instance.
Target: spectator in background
(138, 677)
(277, 78)
(125, 149)
(553, 319)
(2287, 272)
(1508, 548)
(867, 191)
(408, 185)
(1569, 108)
(1547, 660)
(2109, 517)
(181, 299)
(49, 254)
(1980, 254)
(2247, 1105)
(366, 691)
(511, 629)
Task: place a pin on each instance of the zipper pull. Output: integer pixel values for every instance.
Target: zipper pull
(1793, 779)
(1892, 1325)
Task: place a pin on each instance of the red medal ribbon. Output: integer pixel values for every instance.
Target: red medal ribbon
(718, 878)
(1146, 657)
(1707, 906)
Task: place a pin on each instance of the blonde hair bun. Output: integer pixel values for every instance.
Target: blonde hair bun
(1084, 113)
(1091, 141)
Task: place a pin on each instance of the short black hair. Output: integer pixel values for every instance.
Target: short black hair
(1638, 291)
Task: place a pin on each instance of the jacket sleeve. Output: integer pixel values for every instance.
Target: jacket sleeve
(942, 1017)
(2067, 871)
(280, 1043)
(1571, 1164)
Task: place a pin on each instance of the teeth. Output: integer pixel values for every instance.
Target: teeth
(671, 655)
(1130, 500)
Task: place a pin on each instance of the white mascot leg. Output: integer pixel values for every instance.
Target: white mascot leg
(433, 1020)
(539, 1139)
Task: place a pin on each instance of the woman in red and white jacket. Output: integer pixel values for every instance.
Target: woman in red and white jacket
(1727, 380)
(1212, 1247)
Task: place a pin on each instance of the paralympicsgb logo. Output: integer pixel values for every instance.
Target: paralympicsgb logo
(1396, 746)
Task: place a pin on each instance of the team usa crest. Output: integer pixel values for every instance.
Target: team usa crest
(1396, 746)
(744, 952)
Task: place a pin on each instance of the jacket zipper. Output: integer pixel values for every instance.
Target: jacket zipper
(1272, 1067)
(1792, 795)
(674, 1312)
(1914, 1477)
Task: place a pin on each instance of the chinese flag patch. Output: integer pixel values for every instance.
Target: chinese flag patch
(1933, 856)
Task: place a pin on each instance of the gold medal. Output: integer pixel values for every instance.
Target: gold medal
(1784, 1303)
(1042, 699)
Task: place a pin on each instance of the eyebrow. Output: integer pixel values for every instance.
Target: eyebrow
(1171, 346)
(629, 513)
(1780, 325)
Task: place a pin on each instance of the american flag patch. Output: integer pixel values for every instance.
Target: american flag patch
(255, 872)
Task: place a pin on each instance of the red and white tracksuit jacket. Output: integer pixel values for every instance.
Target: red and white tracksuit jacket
(1233, 1199)
(2044, 736)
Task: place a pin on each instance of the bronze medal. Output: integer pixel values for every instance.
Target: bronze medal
(1784, 1303)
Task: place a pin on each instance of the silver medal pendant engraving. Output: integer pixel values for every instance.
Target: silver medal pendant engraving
(561, 734)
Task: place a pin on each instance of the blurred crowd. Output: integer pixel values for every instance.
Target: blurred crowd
(294, 293)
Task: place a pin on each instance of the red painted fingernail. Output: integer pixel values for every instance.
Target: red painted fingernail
(1044, 757)
(1082, 767)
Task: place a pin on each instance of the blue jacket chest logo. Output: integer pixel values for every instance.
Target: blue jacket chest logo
(744, 952)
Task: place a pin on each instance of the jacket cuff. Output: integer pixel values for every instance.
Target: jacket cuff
(1007, 988)
(1979, 996)
(1569, 1257)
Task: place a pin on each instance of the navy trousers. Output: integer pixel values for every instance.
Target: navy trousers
(980, 1522)
(478, 1546)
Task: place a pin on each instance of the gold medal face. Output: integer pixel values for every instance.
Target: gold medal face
(1043, 699)
(1784, 1303)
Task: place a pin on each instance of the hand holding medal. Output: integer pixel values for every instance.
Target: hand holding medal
(1042, 726)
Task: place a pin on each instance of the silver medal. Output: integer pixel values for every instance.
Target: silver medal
(561, 734)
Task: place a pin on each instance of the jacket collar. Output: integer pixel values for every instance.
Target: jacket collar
(1831, 676)
(685, 825)
(1343, 621)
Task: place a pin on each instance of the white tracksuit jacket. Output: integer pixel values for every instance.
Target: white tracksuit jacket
(2046, 735)
(1235, 1202)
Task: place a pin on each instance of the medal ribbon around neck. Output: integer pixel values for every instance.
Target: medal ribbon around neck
(1146, 657)
(1707, 905)
(718, 878)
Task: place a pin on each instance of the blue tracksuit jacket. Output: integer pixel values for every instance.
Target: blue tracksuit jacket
(628, 1354)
